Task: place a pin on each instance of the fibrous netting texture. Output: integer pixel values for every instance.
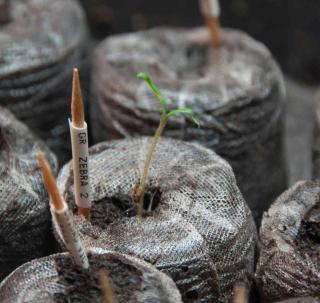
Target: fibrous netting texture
(289, 262)
(39, 281)
(39, 47)
(24, 204)
(316, 142)
(197, 227)
(236, 92)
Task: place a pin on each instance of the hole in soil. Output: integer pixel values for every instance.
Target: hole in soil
(185, 268)
(192, 295)
(152, 200)
(308, 238)
(310, 232)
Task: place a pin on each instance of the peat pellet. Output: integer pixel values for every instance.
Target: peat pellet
(196, 226)
(289, 262)
(56, 279)
(24, 203)
(236, 91)
(39, 46)
(316, 141)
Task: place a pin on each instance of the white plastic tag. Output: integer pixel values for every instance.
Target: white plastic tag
(210, 8)
(71, 237)
(80, 159)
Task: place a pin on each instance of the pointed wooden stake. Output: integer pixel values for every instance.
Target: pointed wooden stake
(50, 183)
(77, 108)
(60, 211)
(80, 153)
(211, 11)
(214, 27)
(107, 292)
(240, 293)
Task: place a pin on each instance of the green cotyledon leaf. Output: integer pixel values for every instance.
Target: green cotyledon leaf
(186, 111)
(147, 78)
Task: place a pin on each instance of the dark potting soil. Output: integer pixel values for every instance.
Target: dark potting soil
(111, 209)
(308, 238)
(83, 286)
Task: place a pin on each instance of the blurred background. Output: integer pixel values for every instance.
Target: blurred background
(290, 28)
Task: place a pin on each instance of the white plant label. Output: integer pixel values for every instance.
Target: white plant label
(71, 236)
(80, 159)
(210, 8)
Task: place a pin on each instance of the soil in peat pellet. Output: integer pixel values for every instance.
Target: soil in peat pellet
(308, 238)
(108, 210)
(83, 286)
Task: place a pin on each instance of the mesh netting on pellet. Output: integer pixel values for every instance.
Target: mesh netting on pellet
(236, 91)
(24, 204)
(55, 279)
(289, 262)
(39, 46)
(197, 227)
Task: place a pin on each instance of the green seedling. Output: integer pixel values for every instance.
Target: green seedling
(165, 116)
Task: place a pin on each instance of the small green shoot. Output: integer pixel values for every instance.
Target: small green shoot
(165, 116)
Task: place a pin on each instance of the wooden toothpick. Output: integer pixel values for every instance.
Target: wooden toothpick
(240, 293)
(80, 151)
(107, 292)
(77, 107)
(50, 183)
(60, 211)
(211, 11)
